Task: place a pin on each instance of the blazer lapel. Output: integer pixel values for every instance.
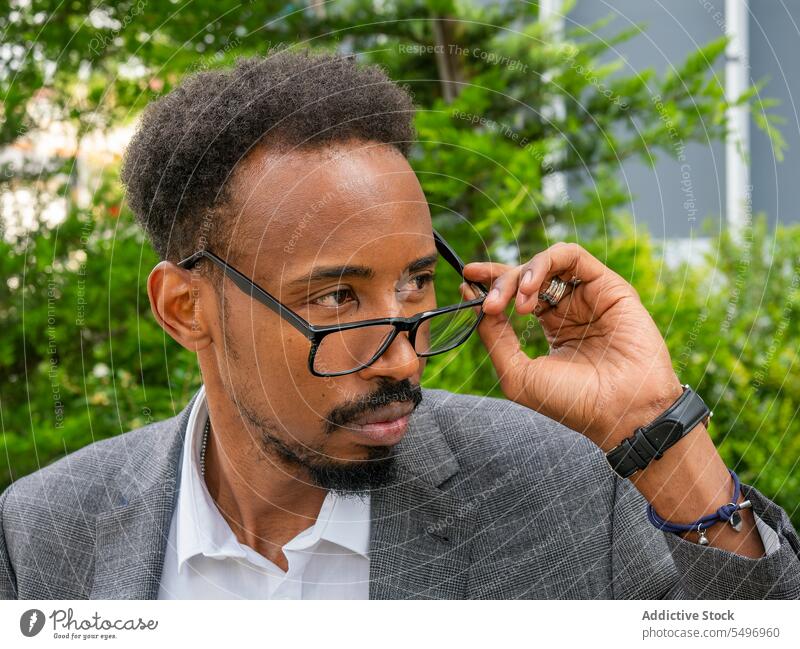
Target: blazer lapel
(131, 537)
(420, 535)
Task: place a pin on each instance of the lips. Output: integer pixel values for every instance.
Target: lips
(388, 413)
(385, 426)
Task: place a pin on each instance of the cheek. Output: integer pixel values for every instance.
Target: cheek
(272, 341)
(267, 352)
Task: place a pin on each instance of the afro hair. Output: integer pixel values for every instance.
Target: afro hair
(179, 163)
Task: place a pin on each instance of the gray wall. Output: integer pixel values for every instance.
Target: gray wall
(774, 52)
(673, 29)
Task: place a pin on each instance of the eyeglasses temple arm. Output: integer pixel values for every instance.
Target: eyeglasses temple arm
(453, 259)
(252, 289)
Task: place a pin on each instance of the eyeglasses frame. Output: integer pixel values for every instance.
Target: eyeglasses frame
(315, 333)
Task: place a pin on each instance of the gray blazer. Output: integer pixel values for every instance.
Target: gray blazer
(494, 501)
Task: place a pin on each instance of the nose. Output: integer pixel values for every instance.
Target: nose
(398, 362)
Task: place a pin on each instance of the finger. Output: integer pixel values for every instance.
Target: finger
(560, 258)
(534, 302)
(484, 271)
(468, 293)
(505, 352)
(504, 280)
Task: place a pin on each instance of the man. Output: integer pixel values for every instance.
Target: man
(311, 464)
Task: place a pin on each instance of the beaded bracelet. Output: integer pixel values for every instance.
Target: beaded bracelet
(729, 513)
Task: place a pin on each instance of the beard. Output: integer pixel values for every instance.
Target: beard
(354, 478)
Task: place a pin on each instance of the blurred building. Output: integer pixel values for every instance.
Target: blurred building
(716, 178)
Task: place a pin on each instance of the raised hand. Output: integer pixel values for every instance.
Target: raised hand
(608, 370)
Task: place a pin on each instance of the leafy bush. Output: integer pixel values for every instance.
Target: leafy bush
(81, 357)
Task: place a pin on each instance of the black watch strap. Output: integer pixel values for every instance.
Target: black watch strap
(649, 442)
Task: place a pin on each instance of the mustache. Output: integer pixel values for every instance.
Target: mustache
(388, 392)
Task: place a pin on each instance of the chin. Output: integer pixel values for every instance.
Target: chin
(374, 468)
(353, 452)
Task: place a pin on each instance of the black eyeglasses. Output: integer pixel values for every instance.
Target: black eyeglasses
(349, 347)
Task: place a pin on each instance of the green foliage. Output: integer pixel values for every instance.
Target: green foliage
(81, 357)
(505, 110)
(731, 324)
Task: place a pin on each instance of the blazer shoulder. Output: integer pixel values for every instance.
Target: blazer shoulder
(85, 477)
(48, 518)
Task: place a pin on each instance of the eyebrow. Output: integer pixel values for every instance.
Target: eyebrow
(362, 272)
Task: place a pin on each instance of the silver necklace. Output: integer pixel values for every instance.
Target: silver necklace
(203, 448)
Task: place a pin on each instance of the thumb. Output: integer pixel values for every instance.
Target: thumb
(512, 364)
(502, 343)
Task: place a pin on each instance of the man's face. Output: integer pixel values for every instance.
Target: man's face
(358, 206)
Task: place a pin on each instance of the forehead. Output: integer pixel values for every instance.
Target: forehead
(357, 203)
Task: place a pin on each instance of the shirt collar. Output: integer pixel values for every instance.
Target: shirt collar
(201, 529)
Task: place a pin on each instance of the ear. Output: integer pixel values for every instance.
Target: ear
(176, 298)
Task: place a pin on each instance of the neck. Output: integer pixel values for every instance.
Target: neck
(265, 500)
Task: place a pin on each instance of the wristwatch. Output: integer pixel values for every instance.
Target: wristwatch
(649, 442)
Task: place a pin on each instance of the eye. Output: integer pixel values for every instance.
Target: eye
(335, 299)
(419, 282)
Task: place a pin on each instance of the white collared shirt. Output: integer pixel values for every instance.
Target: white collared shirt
(205, 560)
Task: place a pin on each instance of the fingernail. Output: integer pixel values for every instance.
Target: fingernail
(494, 294)
(527, 277)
